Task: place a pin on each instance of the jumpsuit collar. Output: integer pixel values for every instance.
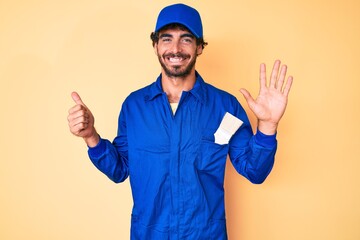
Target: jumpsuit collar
(198, 91)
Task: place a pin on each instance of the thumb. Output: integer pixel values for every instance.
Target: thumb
(246, 94)
(249, 99)
(75, 96)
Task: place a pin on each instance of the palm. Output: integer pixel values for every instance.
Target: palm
(269, 105)
(271, 102)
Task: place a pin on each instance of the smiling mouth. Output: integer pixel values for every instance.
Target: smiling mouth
(176, 58)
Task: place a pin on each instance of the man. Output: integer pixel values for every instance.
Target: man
(175, 134)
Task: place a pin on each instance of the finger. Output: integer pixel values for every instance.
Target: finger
(75, 96)
(274, 73)
(288, 86)
(78, 114)
(78, 124)
(249, 99)
(77, 129)
(262, 75)
(279, 84)
(77, 108)
(77, 121)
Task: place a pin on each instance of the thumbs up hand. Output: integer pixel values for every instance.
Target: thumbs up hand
(81, 121)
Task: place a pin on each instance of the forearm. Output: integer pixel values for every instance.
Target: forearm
(109, 161)
(255, 159)
(261, 158)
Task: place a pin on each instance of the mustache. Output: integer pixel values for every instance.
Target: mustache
(176, 55)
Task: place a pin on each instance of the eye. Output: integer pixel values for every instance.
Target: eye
(166, 39)
(187, 40)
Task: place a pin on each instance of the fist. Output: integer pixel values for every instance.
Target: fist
(81, 120)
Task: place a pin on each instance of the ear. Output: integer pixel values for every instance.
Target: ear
(199, 50)
(155, 49)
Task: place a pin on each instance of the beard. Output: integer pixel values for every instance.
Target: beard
(177, 71)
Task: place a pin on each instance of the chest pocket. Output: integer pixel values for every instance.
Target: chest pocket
(211, 156)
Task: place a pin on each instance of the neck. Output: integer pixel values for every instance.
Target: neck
(174, 86)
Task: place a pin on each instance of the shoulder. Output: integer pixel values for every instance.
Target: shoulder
(140, 94)
(217, 94)
(225, 101)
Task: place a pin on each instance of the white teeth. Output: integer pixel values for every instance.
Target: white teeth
(175, 59)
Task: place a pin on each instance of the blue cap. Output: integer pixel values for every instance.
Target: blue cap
(182, 14)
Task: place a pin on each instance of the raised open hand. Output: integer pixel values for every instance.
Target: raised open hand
(271, 102)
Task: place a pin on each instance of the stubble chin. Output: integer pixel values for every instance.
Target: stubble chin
(177, 71)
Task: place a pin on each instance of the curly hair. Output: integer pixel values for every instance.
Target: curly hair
(154, 36)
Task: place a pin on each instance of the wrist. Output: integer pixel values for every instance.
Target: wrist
(93, 140)
(268, 128)
(268, 141)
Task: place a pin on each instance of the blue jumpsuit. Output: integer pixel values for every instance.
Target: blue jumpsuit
(176, 169)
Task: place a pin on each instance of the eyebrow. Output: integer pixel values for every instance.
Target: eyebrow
(165, 35)
(187, 35)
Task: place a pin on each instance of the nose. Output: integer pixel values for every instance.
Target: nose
(176, 47)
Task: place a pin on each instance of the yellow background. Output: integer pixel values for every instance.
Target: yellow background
(49, 188)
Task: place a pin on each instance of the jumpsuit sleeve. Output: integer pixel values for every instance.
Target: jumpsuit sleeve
(251, 155)
(112, 158)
